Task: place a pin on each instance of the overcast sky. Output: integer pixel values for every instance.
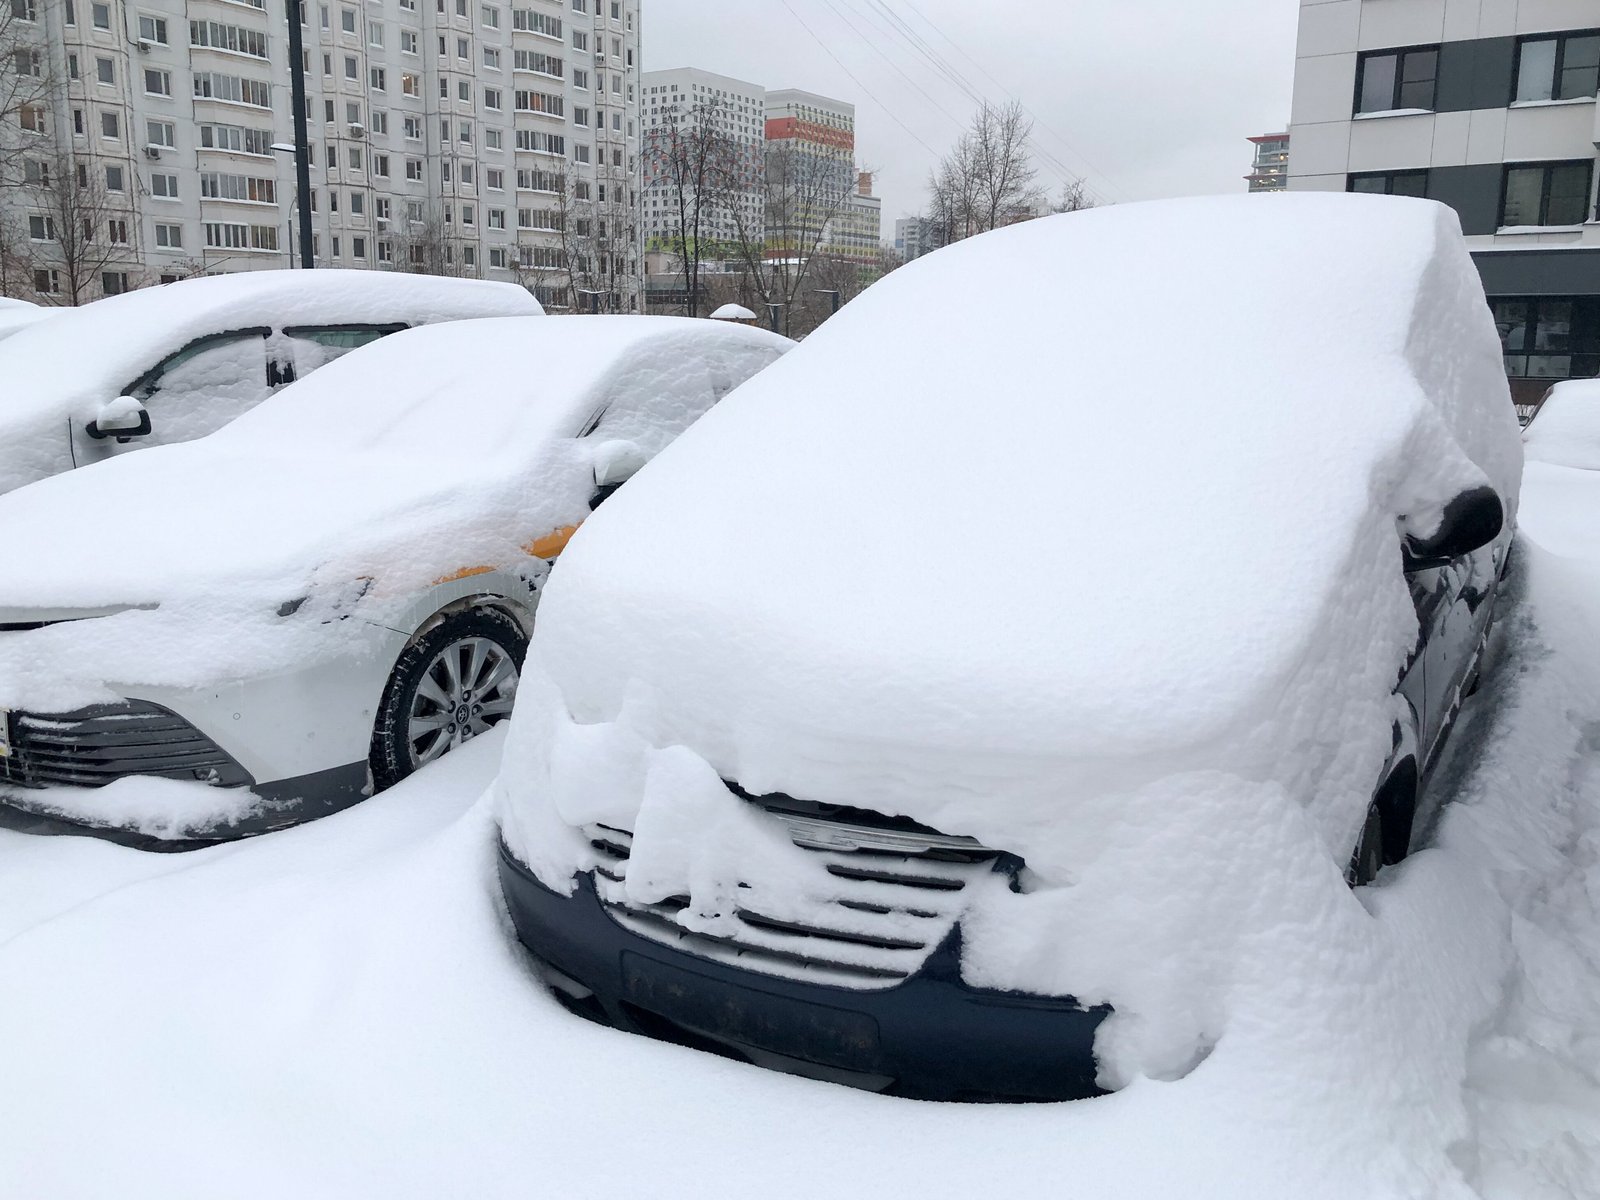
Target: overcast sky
(1142, 98)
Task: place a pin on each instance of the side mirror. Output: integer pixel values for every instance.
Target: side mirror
(1471, 521)
(614, 464)
(123, 418)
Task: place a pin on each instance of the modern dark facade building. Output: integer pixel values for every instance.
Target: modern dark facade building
(1488, 106)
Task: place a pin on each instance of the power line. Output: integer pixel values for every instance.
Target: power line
(829, 51)
(843, 15)
(1007, 92)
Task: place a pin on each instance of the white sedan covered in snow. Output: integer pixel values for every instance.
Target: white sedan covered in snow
(335, 588)
(171, 363)
(958, 731)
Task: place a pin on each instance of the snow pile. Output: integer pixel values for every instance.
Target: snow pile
(433, 450)
(59, 372)
(733, 312)
(1566, 430)
(1129, 606)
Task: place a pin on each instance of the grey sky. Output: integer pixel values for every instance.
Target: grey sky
(1144, 98)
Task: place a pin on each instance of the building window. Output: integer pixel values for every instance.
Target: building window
(157, 83)
(113, 283)
(114, 179)
(110, 125)
(379, 79)
(105, 71)
(169, 237)
(41, 228)
(118, 229)
(1563, 67)
(36, 173)
(164, 186)
(347, 20)
(1387, 80)
(100, 15)
(408, 42)
(491, 99)
(1390, 183)
(1545, 194)
(380, 165)
(380, 122)
(47, 282)
(160, 133)
(1548, 338)
(414, 170)
(153, 29)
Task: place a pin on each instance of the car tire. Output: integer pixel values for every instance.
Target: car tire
(1366, 860)
(456, 679)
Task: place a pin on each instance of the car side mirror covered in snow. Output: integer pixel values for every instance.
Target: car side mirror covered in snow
(614, 464)
(122, 418)
(1471, 521)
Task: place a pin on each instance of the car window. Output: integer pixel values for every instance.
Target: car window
(203, 386)
(314, 346)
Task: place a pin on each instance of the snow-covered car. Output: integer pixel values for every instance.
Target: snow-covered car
(171, 363)
(17, 315)
(1565, 432)
(335, 588)
(938, 714)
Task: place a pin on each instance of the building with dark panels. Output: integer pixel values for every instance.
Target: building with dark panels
(1485, 105)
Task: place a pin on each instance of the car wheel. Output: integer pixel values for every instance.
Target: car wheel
(1367, 860)
(452, 683)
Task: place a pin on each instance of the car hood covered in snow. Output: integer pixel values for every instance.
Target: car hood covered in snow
(434, 450)
(1111, 564)
(1566, 431)
(61, 371)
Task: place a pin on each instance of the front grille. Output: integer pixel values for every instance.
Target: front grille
(93, 746)
(886, 911)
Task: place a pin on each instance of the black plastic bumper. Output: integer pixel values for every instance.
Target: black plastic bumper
(931, 1037)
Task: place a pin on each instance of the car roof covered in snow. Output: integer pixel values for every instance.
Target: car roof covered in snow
(1110, 516)
(63, 369)
(130, 332)
(1566, 430)
(434, 442)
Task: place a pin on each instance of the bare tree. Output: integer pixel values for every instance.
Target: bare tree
(24, 78)
(987, 179)
(1074, 197)
(807, 191)
(694, 157)
(425, 247)
(77, 227)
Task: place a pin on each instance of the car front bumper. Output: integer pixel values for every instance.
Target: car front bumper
(929, 1037)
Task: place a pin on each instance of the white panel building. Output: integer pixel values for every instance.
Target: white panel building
(497, 138)
(1485, 105)
(683, 97)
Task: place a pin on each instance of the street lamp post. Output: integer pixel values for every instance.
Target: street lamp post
(302, 145)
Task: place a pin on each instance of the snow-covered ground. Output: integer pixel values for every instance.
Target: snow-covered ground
(339, 1010)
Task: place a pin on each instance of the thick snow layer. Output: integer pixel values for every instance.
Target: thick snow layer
(1566, 430)
(447, 447)
(733, 312)
(341, 1010)
(15, 320)
(59, 372)
(1129, 606)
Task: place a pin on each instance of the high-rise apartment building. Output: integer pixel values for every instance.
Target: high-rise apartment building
(812, 183)
(1488, 106)
(1269, 172)
(913, 237)
(674, 105)
(478, 137)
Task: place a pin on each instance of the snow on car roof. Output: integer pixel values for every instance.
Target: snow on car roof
(1566, 430)
(1110, 516)
(437, 441)
(129, 332)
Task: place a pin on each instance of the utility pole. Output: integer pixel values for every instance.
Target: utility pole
(302, 145)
